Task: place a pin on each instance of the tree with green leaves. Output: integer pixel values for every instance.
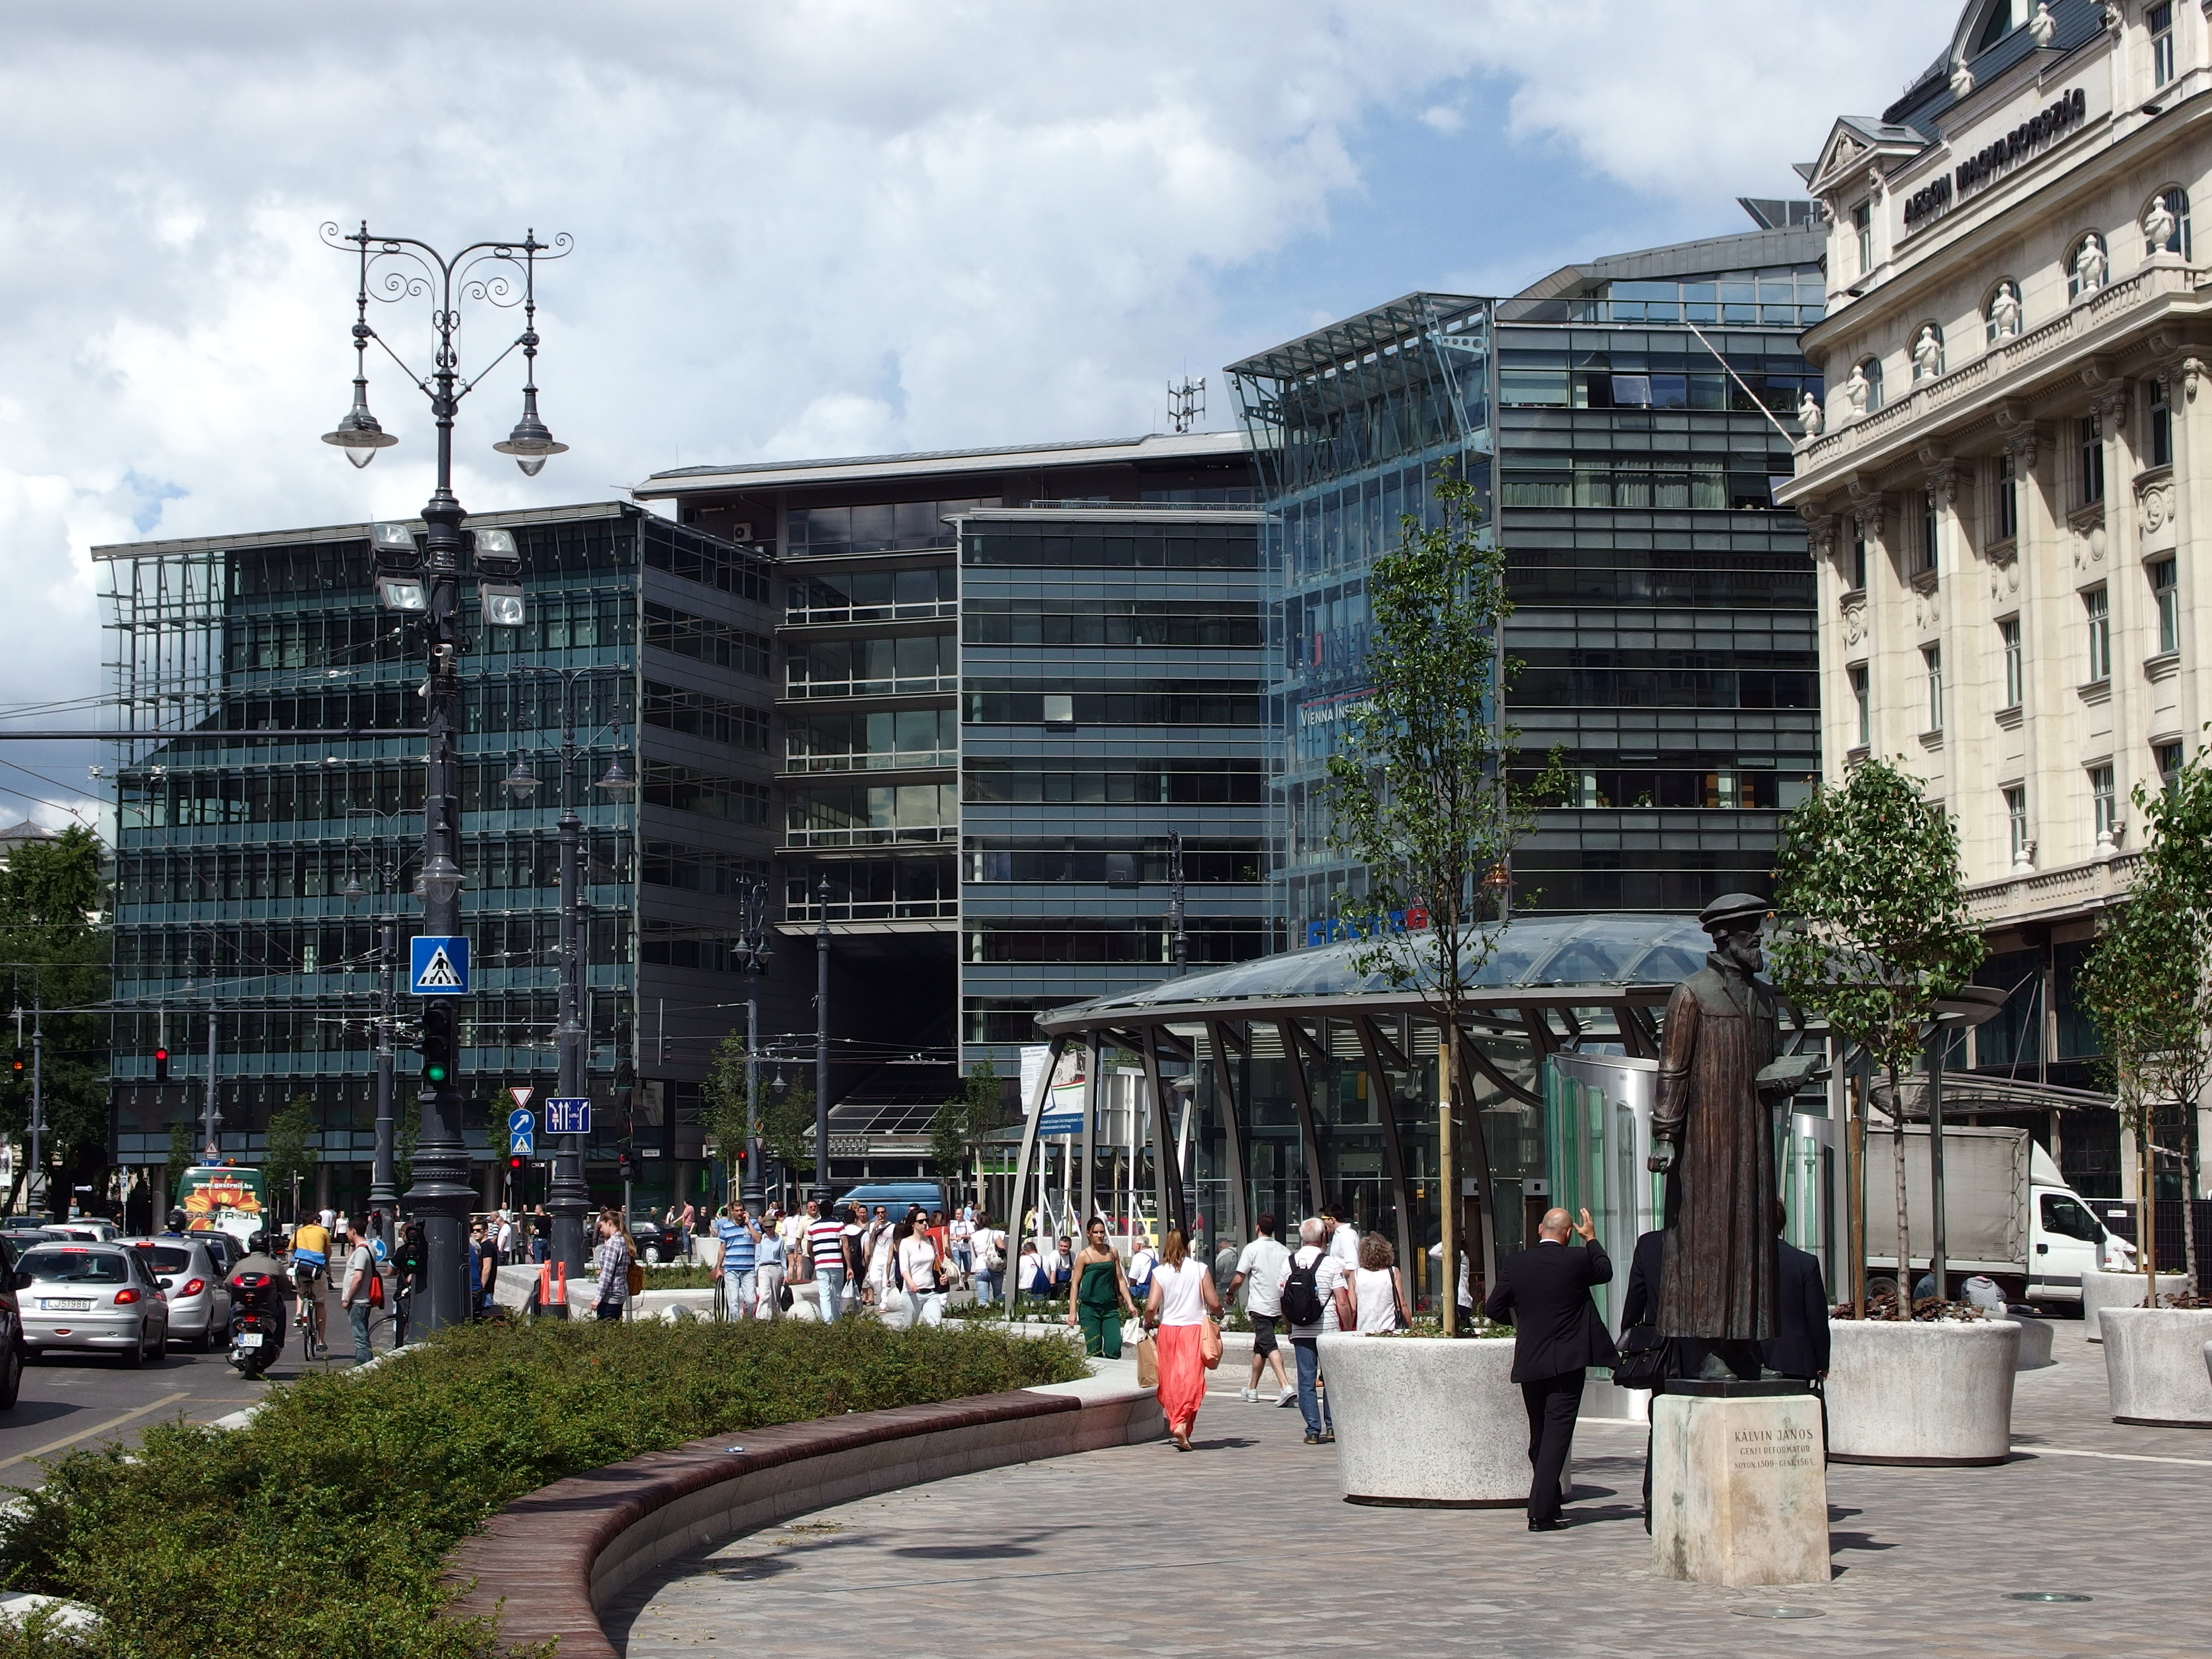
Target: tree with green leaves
(1421, 794)
(1875, 933)
(788, 1124)
(728, 1108)
(956, 1131)
(405, 1132)
(53, 900)
(2148, 986)
(2143, 986)
(183, 1154)
(287, 1155)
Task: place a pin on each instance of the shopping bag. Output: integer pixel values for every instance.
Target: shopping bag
(1148, 1364)
(1209, 1343)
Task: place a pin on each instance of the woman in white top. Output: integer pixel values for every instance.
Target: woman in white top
(1182, 1300)
(1371, 1301)
(917, 1266)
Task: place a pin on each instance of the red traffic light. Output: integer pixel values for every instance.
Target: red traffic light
(160, 1065)
(515, 1163)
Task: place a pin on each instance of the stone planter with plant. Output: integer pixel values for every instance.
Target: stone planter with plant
(1421, 1420)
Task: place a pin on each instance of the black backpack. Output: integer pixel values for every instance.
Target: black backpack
(1302, 1304)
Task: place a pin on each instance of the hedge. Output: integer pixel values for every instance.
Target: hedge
(320, 1530)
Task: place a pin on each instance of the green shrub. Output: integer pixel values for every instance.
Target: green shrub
(320, 1529)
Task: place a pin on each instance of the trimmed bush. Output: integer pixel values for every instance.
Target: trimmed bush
(320, 1529)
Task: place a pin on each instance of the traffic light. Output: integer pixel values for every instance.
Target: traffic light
(19, 1068)
(437, 1045)
(160, 1065)
(514, 1163)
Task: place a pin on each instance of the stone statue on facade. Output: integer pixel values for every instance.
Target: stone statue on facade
(1809, 416)
(1858, 389)
(2043, 27)
(2004, 310)
(1712, 1134)
(2089, 265)
(2157, 228)
(1927, 354)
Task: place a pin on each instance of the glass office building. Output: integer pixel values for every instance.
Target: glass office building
(1622, 420)
(1110, 692)
(252, 866)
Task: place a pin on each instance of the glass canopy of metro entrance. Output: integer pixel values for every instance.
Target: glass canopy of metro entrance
(1312, 1080)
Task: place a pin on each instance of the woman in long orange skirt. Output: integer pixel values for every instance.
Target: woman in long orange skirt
(1182, 1298)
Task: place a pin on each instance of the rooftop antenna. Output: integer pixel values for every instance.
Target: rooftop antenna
(1186, 402)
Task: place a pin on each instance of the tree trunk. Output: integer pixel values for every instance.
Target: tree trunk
(1897, 1170)
(2147, 1227)
(1447, 1171)
(2189, 1191)
(1854, 1178)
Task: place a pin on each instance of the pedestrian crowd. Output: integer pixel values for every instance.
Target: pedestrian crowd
(854, 1258)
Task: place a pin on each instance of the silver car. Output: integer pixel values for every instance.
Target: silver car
(198, 1290)
(99, 1297)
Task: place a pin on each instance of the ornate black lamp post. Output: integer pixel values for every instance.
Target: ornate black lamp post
(426, 581)
(569, 1201)
(757, 953)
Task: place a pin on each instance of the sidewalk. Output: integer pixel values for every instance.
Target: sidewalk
(1248, 1548)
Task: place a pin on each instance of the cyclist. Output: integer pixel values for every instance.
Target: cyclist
(311, 1262)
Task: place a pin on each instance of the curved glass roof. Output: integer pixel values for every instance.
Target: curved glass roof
(1602, 953)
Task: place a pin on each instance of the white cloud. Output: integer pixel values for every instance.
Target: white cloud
(826, 226)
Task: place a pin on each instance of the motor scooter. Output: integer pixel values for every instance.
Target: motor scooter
(257, 1321)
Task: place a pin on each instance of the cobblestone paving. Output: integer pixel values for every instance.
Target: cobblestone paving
(1248, 1548)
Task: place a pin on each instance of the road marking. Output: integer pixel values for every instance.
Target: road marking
(97, 1428)
(2117, 1457)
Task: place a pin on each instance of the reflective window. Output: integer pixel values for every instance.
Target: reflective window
(2104, 802)
(883, 527)
(2098, 614)
(2064, 1215)
(2166, 596)
(2159, 21)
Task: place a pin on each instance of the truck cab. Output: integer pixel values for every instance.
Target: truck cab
(2065, 1238)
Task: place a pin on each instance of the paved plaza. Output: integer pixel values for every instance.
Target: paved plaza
(1247, 1546)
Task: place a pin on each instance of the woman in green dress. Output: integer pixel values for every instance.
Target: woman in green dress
(1098, 1294)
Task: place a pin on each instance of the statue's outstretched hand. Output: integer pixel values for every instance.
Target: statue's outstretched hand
(1662, 1159)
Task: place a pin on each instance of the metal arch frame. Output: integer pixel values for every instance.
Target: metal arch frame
(1372, 1044)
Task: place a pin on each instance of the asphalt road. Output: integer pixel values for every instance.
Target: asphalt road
(81, 1399)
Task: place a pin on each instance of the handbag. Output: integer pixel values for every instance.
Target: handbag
(783, 1296)
(636, 1278)
(1148, 1362)
(376, 1288)
(1209, 1344)
(1643, 1360)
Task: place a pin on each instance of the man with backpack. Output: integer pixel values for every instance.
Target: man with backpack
(1308, 1297)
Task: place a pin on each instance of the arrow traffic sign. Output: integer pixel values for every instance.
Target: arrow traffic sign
(521, 1132)
(567, 1117)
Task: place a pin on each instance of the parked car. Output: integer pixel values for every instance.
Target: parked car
(102, 1298)
(197, 1287)
(653, 1242)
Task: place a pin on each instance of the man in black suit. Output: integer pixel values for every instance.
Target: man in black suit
(1544, 1291)
(1799, 1347)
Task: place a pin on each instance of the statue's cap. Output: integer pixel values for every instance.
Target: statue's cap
(1732, 909)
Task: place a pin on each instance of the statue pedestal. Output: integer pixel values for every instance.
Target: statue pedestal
(1739, 1485)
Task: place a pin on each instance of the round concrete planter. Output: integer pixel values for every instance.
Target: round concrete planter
(1423, 1421)
(2154, 1367)
(2101, 1291)
(1922, 1392)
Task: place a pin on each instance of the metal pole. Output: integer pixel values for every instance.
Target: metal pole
(383, 1184)
(568, 1201)
(1094, 1097)
(1447, 1177)
(213, 1147)
(442, 1195)
(1938, 1256)
(38, 1092)
(821, 1192)
(1176, 904)
(750, 1190)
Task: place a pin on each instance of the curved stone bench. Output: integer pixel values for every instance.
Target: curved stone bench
(547, 1562)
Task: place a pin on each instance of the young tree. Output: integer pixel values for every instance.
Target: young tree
(959, 1129)
(52, 900)
(1875, 933)
(787, 1123)
(288, 1156)
(729, 1112)
(2142, 985)
(2152, 974)
(182, 1156)
(1421, 794)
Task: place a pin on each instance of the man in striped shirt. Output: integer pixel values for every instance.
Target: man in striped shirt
(825, 1244)
(738, 1234)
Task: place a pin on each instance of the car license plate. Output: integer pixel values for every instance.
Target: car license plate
(66, 1304)
(251, 1339)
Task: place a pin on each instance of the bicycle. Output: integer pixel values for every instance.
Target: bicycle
(310, 1320)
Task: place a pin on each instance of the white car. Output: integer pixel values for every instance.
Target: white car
(198, 1290)
(99, 1297)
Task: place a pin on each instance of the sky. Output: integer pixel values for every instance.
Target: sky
(809, 229)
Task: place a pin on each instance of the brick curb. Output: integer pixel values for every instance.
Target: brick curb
(544, 1562)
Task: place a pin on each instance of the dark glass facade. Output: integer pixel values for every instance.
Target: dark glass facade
(1110, 698)
(1622, 417)
(234, 854)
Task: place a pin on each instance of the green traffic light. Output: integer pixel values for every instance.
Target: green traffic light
(435, 1073)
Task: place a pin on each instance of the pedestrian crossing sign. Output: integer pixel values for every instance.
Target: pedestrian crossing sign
(440, 965)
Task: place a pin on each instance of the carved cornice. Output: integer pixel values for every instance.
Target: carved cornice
(2191, 370)
(1942, 472)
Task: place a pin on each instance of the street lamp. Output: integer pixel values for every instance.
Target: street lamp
(426, 582)
(568, 1199)
(757, 953)
(821, 1045)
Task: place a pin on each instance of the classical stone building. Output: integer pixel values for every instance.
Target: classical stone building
(2006, 489)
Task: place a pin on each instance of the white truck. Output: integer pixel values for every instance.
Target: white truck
(2009, 1214)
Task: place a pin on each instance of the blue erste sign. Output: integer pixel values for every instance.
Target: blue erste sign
(567, 1117)
(440, 965)
(1059, 1123)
